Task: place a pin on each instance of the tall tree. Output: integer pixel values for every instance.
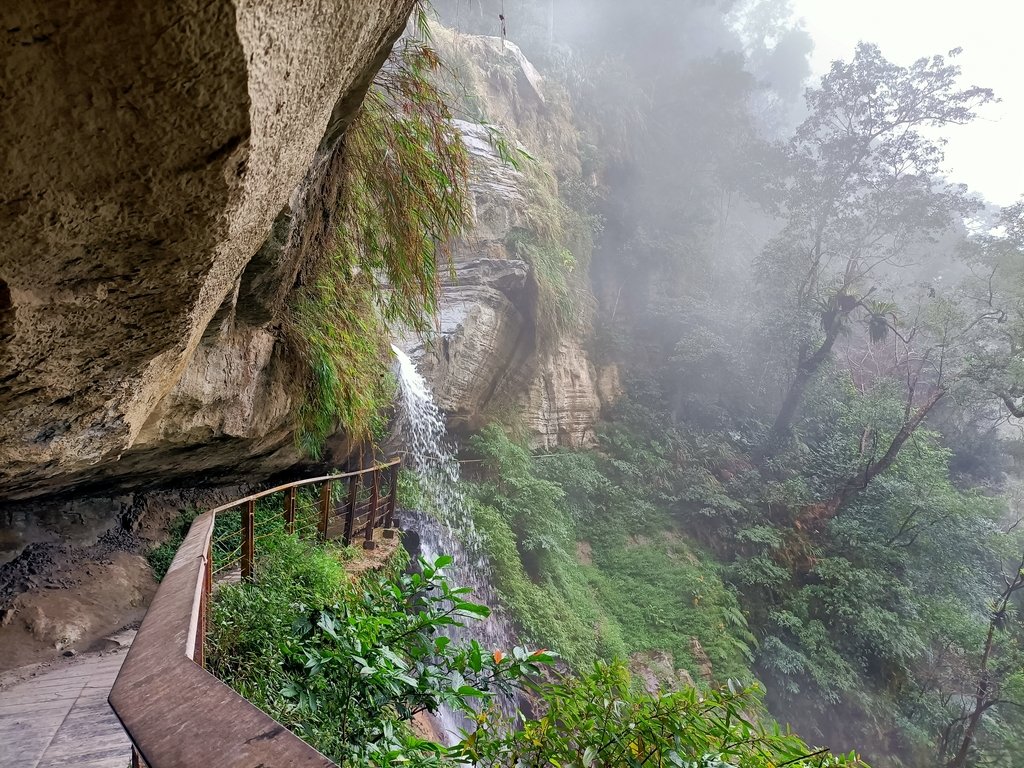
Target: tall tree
(998, 676)
(918, 355)
(865, 189)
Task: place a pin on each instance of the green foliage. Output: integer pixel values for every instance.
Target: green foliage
(600, 719)
(160, 557)
(543, 611)
(880, 315)
(586, 564)
(409, 494)
(406, 194)
(866, 620)
(403, 176)
(556, 242)
(869, 614)
(354, 668)
(344, 343)
(553, 265)
(249, 622)
(851, 616)
(346, 665)
(854, 618)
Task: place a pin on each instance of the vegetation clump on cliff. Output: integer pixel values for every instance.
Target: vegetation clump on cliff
(404, 197)
(587, 564)
(556, 242)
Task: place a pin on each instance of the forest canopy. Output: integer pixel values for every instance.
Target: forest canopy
(820, 331)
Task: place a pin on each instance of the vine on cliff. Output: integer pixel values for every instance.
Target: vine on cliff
(404, 198)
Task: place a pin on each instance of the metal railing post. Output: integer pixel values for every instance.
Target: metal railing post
(248, 540)
(325, 509)
(368, 542)
(389, 520)
(204, 607)
(289, 510)
(350, 512)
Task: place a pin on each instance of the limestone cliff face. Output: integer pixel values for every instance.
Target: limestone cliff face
(166, 165)
(490, 360)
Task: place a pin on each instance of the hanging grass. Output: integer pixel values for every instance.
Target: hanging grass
(346, 351)
(404, 198)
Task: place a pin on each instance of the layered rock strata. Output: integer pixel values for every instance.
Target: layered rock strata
(488, 359)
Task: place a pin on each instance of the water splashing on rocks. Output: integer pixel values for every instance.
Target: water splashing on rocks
(429, 453)
(445, 523)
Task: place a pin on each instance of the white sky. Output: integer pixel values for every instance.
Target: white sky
(987, 155)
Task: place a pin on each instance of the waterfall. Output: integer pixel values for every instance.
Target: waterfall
(422, 428)
(445, 524)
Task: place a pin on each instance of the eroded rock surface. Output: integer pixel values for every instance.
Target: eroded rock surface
(656, 671)
(563, 402)
(149, 149)
(480, 336)
(489, 360)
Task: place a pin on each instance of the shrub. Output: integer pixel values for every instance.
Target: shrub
(601, 719)
(643, 585)
(347, 665)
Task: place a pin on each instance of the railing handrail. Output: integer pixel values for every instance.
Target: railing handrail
(177, 714)
(300, 483)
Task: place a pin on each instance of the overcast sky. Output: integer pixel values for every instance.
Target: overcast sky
(987, 155)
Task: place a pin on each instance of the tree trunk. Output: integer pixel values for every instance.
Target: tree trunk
(806, 369)
(983, 698)
(814, 515)
(784, 419)
(1015, 410)
(855, 485)
(959, 760)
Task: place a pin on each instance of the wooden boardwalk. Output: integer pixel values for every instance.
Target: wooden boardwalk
(60, 717)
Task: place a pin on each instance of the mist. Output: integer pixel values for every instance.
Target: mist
(504, 383)
(820, 320)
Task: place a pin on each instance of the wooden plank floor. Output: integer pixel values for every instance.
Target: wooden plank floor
(60, 717)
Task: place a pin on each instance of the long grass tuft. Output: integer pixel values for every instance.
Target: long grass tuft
(405, 197)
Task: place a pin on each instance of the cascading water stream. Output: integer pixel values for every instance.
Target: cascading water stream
(445, 525)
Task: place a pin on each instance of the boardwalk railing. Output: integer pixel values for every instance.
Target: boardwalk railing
(178, 715)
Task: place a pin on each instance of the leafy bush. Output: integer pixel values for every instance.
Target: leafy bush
(346, 665)
(865, 622)
(600, 719)
(640, 585)
(543, 612)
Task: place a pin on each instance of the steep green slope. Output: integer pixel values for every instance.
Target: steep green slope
(593, 567)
